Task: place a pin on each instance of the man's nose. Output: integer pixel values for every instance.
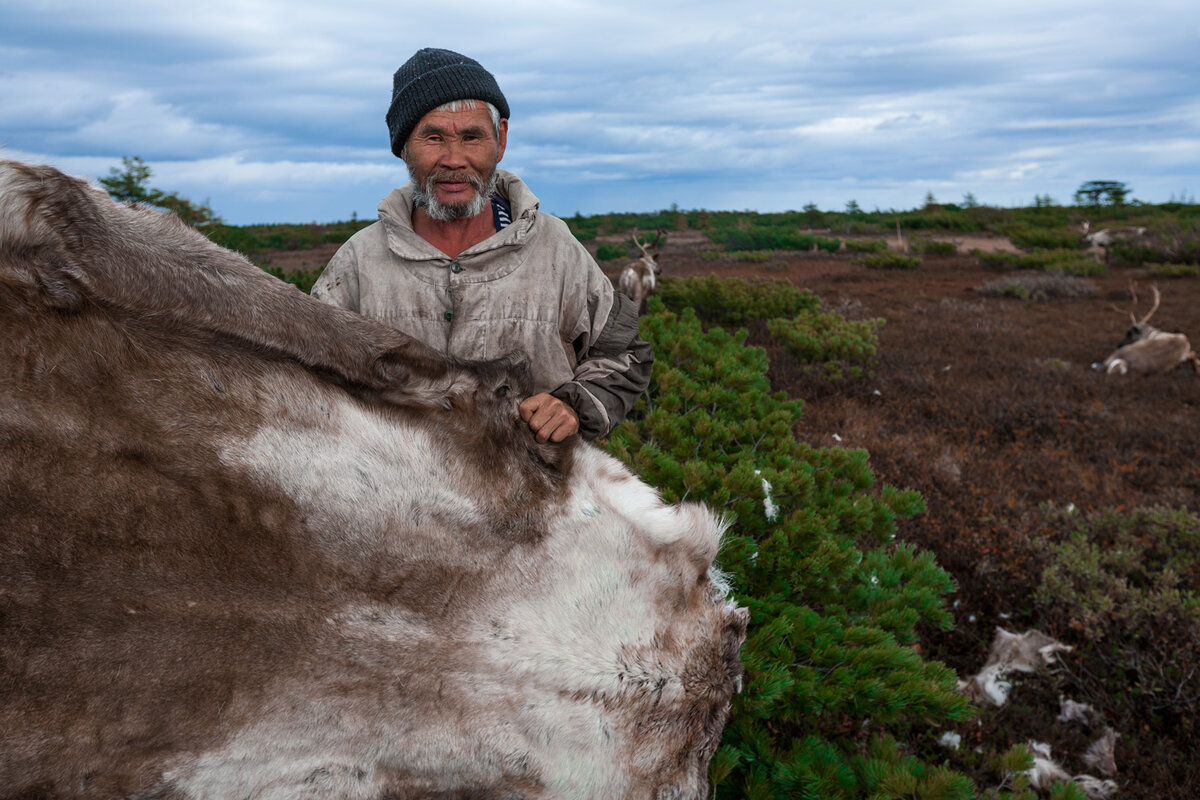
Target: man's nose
(454, 154)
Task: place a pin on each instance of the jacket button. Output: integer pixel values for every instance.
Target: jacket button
(456, 267)
(448, 315)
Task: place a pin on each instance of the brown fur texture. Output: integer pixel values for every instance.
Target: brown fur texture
(255, 546)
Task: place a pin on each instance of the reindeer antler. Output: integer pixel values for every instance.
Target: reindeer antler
(1133, 312)
(1150, 313)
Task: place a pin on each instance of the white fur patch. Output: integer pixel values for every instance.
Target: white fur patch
(573, 620)
(360, 479)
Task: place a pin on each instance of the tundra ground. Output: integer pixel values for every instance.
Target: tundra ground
(989, 407)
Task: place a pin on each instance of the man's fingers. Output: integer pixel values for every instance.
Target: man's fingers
(548, 417)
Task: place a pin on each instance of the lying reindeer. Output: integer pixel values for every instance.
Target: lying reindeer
(637, 279)
(1147, 350)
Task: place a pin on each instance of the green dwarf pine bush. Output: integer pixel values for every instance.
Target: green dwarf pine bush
(891, 261)
(834, 683)
(737, 301)
(611, 252)
(829, 343)
(1173, 270)
(754, 256)
(758, 238)
(866, 246)
(1128, 584)
(931, 247)
(1071, 262)
(253, 238)
(1028, 237)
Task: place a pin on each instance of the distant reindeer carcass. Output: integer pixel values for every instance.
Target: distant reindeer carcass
(1146, 350)
(1101, 240)
(638, 278)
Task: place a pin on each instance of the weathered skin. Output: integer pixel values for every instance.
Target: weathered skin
(255, 546)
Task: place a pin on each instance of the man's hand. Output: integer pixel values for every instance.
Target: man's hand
(549, 418)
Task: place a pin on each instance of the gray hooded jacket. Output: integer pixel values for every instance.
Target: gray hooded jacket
(530, 287)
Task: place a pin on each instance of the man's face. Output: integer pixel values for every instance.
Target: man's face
(451, 157)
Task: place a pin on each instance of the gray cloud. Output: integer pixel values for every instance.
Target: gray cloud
(273, 111)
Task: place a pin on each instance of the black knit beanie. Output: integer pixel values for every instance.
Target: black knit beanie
(432, 78)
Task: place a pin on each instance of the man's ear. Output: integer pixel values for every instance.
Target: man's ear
(502, 140)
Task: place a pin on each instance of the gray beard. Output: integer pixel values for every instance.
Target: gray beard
(425, 198)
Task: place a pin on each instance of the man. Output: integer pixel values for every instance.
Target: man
(462, 259)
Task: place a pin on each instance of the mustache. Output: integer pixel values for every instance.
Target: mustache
(454, 176)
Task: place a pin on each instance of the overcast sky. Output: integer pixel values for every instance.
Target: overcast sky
(273, 111)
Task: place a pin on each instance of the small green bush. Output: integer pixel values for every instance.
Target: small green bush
(1174, 270)
(611, 252)
(866, 245)
(1171, 245)
(829, 343)
(233, 237)
(1028, 237)
(754, 256)
(1040, 286)
(1128, 585)
(1071, 262)
(891, 261)
(736, 301)
(251, 239)
(932, 247)
(760, 238)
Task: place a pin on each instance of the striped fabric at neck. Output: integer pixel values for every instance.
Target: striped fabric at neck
(501, 212)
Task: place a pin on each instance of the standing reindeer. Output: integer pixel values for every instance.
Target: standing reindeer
(1147, 350)
(638, 278)
(1101, 239)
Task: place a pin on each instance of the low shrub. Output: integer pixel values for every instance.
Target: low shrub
(758, 238)
(931, 247)
(866, 245)
(1168, 243)
(251, 239)
(891, 261)
(830, 344)
(233, 237)
(1128, 585)
(1028, 237)
(754, 256)
(611, 252)
(1039, 286)
(1071, 262)
(736, 301)
(1173, 270)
